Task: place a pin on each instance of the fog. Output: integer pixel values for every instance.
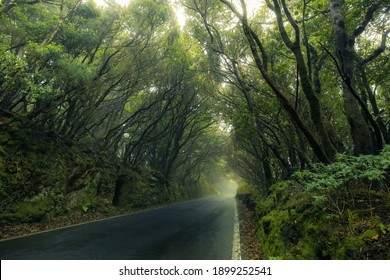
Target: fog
(226, 186)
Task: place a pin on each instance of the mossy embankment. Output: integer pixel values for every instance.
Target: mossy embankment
(44, 178)
(337, 211)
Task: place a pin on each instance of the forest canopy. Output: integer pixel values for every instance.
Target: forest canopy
(255, 90)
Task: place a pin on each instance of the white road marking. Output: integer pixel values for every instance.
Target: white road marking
(236, 250)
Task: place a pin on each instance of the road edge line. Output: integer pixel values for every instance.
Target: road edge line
(236, 249)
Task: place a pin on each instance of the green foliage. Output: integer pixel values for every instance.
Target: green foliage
(85, 208)
(346, 170)
(274, 258)
(311, 217)
(384, 229)
(246, 189)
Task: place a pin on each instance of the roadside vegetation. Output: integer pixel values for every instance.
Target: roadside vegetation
(336, 211)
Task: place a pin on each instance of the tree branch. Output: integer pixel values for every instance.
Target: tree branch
(368, 17)
(61, 21)
(378, 51)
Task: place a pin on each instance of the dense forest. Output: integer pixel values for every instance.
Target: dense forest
(107, 108)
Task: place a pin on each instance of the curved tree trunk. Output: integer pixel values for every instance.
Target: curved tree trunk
(344, 48)
(305, 79)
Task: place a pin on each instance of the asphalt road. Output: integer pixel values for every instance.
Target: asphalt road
(192, 230)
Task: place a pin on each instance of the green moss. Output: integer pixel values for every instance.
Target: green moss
(270, 234)
(314, 241)
(86, 200)
(307, 249)
(40, 165)
(264, 205)
(350, 248)
(28, 211)
(137, 189)
(301, 203)
(368, 234)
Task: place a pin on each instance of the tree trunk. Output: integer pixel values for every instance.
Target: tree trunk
(311, 96)
(344, 48)
(371, 97)
(252, 38)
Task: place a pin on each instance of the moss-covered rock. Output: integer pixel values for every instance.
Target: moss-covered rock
(271, 229)
(42, 176)
(140, 188)
(323, 222)
(28, 211)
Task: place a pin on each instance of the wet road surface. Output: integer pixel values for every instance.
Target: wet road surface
(192, 230)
